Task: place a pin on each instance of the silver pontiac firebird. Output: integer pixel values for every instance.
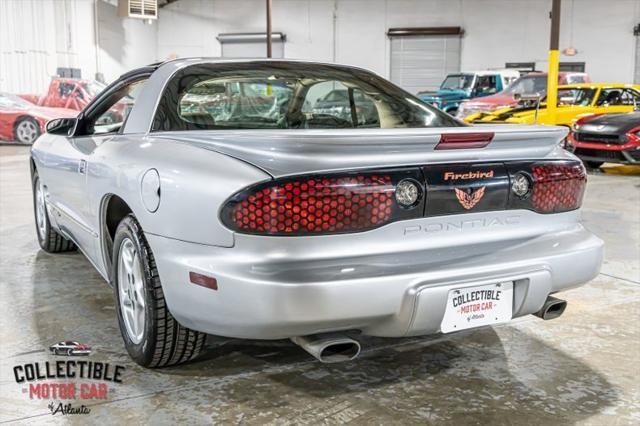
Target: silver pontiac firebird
(269, 199)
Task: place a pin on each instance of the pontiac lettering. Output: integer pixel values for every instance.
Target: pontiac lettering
(463, 224)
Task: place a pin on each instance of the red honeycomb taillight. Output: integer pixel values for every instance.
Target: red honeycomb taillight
(314, 205)
(557, 187)
(361, 201)
(317, 205)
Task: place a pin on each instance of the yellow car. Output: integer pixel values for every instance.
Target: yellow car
(574, 101)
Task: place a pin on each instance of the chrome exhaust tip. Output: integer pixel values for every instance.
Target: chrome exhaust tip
(329, 348)
(552, 308)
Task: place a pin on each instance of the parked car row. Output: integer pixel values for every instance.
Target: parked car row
(532, 85)
(604, 118)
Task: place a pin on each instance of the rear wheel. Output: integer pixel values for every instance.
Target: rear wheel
(27, 130)
(151, 335)
(48, 238)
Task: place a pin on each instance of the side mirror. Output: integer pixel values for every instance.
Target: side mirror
(62, 126)
(517, 96)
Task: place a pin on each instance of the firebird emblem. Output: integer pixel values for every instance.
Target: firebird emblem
(469, 200)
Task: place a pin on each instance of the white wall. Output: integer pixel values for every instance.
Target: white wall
(30, 52)
(38, 36)
(124, 43)
(496, 31)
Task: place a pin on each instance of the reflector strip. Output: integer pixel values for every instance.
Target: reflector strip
(464, 140)
(203, 280)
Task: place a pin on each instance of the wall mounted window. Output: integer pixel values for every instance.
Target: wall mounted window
(572, 66)
(521, 67)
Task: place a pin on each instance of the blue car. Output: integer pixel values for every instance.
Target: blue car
(461, 86)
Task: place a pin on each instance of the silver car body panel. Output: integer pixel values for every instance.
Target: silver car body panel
(390, 281)
(291, 152)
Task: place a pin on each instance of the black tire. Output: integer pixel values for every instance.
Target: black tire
(31, 135)
(593, 164)
(164, 341)
(69, 352)
(49, 239)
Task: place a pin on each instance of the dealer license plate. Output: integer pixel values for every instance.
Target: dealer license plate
(477, 306)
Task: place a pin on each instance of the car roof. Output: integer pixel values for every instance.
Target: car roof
(599, 85)
(180, 62)
(560, 73)
(494, 72)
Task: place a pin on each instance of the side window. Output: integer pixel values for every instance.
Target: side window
(215, 103)
(366, 110)
(78, 92)
(486, 84)
(629, 97)
(330, 102)
(65, 89)
(611, 97)
(578, 97)
(112, 113)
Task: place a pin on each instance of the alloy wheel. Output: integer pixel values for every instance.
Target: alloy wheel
(41, 210)
(27, 132)
(131, 290)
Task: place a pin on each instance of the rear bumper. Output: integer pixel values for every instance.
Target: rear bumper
(275, 293)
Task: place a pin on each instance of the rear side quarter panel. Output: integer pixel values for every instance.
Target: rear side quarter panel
(194, 183)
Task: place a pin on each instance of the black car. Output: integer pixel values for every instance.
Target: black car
(607, 138)
(70, 348)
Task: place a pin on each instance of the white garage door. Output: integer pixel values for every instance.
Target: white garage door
(251, 45)
(421, 62)
(636, 79)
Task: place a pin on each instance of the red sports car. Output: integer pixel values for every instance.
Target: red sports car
(23, 121)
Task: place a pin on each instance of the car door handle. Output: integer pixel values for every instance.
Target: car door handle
(82, 167)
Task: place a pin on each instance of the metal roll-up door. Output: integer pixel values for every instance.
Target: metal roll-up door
(251, 45)
(421, 58)
(636, 78)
